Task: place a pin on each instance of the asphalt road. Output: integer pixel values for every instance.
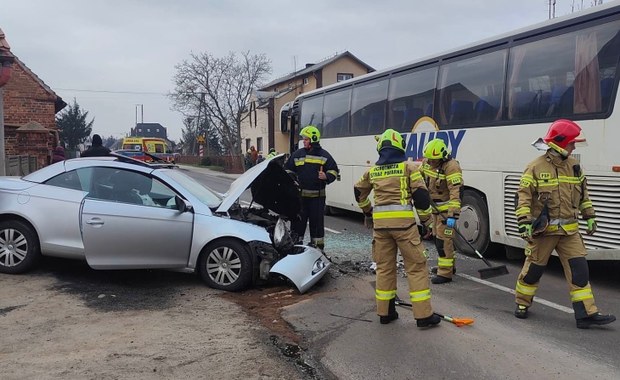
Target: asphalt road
(342, 331)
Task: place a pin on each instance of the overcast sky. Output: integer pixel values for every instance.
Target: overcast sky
(112, 55)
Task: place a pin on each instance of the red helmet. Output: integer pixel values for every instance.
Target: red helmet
(563, 132)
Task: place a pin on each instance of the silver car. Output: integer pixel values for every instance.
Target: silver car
(119, 213)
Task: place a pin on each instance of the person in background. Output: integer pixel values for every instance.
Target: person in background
(553, 191)
(272, 153)
(260, 158)
(398, 187)
(96, 149)
(314, 168)
(253, 155)
(58, 154)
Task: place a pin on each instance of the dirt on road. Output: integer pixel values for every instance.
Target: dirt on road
(68, 321)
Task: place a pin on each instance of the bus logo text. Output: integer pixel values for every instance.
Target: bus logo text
(416, 142)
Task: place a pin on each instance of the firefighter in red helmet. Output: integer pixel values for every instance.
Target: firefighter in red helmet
(552, 193)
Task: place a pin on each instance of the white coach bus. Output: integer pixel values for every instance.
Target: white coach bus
(489, 101)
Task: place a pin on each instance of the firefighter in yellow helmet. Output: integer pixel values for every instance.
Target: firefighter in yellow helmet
(398, 188)
(272, 153)
(444, 180)
(552, 193)
(314, 168)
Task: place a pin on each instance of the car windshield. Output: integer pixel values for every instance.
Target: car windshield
(203, 193)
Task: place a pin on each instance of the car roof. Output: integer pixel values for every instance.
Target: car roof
(113, 159)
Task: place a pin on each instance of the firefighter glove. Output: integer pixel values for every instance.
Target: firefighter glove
(450, 222)
(525, 230)
(591, 226)
(368, 223)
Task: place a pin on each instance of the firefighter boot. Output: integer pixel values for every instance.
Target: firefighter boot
(440, 280)
(434, 270)
(392, 314)
(431, 321)
(521, 311)
(595, 319)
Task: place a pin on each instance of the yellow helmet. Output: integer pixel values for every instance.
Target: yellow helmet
(390, 138)
(311, 132)
(436, 149)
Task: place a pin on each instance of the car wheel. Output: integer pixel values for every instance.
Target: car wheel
(226, 264)
(19, 247)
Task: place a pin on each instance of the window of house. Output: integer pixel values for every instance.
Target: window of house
(247, 144)
(259, 144)
(343, 76)
(306, 80)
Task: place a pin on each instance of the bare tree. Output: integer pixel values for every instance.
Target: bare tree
(218, 91)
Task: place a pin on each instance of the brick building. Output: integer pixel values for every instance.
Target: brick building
(30, 108)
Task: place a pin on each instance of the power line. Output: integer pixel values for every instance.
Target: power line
(113, 92)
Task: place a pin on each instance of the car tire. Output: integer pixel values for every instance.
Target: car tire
(19, 247)
(226, 265)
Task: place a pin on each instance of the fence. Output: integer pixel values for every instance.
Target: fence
(20, 165)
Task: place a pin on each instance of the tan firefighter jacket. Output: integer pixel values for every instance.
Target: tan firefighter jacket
(562, 184)
(444, 181)
(393, 186)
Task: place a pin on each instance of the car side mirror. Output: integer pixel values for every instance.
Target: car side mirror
(183, 205)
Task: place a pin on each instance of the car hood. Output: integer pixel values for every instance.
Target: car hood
(271, 187)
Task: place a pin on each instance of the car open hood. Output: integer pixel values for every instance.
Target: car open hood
(271, 187)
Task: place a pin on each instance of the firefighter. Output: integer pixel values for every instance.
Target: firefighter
(552, 194)
(272, 153)
(314, 169)
(398, 187)
(444, 180)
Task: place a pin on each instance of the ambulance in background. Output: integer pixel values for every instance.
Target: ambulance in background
(135, 146)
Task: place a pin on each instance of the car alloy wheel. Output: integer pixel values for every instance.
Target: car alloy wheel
(19, 247)
(226, 265)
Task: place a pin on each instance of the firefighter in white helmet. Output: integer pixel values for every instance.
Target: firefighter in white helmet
(398, 188)
(444, 180)
(552, 193)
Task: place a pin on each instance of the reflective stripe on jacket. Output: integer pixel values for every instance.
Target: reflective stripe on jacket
(307, 164)
(444, 182)
(393, 186)
(562, 184)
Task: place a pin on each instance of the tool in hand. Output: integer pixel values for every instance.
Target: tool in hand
(491, 271)
(459, 322)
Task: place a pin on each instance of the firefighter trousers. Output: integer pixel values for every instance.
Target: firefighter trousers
(385, 246)
(445, 247)
(572, 252)
(312, 210)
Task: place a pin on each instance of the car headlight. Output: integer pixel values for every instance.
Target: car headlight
(282, 235)
(318, 266)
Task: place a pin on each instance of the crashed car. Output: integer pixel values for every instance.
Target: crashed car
(119, 213)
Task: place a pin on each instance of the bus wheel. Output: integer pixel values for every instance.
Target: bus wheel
(330, 211)
(473, 224)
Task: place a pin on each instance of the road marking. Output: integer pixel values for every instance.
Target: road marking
(333, 231)
(326, 228)
(511, 291)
